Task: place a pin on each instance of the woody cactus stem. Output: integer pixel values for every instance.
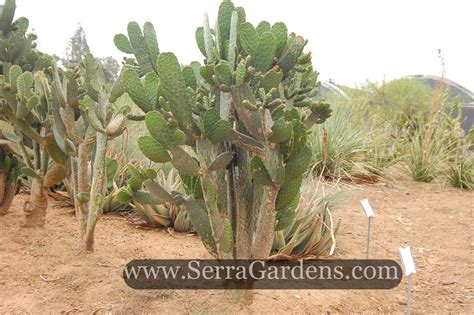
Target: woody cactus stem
(35, 208)
(235, 128)
(98, 177)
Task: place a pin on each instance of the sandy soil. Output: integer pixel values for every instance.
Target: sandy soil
(43, 271)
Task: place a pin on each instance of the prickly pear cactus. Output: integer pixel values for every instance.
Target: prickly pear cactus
(235, 128)
(27, 103)
(17, 45)
(86, 120)
(64, 121)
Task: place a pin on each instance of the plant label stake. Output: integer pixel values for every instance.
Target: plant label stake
(409, 270)
(369, 213)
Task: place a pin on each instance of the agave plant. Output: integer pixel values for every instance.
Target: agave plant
(151, 209)
(312, 233)
(165, 215)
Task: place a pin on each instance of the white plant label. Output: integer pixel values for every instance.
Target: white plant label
(407, 260)
(367, 208)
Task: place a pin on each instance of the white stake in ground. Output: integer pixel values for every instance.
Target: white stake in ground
(369, 213)
(409, 270)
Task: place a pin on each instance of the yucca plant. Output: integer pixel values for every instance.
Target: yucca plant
(426, 159)
(312, 233)
(349, 145)
(461, 167)
(461, 174)
(435, 139)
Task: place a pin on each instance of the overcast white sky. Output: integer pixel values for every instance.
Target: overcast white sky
(351, 41)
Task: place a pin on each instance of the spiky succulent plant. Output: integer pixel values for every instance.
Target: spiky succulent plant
(235, 128)
(158, 212)
(312, 232)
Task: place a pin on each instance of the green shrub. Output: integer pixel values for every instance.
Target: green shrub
(395, 103)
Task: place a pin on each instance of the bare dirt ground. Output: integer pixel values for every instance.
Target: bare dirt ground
(42, 271)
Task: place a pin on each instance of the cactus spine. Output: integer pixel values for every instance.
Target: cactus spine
(245, 115)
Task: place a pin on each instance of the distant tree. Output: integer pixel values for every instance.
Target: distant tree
(56, 58)
(76, 49)
(111, 67)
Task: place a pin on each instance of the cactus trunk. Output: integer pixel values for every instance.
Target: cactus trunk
(265, 225)
(35, 208)
(98, 177)
(80, 175)
(97, 191)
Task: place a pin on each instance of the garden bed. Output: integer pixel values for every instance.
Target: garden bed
(42, 269)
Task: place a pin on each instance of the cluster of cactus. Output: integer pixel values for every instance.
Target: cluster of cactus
(26, 103)
(9, 172)
(64, 120)
(16, 45)
(28, 106)
(235, 128)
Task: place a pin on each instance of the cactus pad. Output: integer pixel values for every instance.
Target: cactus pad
(153, 150)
